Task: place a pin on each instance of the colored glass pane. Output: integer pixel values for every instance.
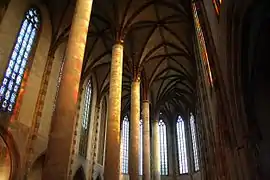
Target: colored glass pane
(85, 119)
(14, 74)
(182, 147)
(217, 4)
(141, 149)
(163, 148)
(201, 43)
(125, 145)
(194, 142)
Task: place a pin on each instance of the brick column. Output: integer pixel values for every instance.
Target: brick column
(112, 153)
(146, 142)
(63, 121)
(134, 131)
(156, 150)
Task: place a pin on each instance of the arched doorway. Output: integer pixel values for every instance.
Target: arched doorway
(5, 161)
(79, 175)
(256, 83)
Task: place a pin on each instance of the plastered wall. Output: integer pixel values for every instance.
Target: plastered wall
(9, 27)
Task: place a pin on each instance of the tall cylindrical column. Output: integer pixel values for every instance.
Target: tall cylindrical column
(146, 142)
(112, 153)
(156, 151)
(134, 131)
(63, 121)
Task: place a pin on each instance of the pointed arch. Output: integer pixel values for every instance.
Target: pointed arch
(15, 72)
(79, 175)
(194, 142)
(85, 118)
(163, 148)
(181, 146)
(141, 149)
(125, 145)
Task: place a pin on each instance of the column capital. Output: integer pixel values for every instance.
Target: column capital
(136, 80)
(119, 41)
(146, 101)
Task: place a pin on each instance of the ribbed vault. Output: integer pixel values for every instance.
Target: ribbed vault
(158, 48)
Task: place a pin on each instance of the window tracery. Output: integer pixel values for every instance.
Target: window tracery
(15, 71)
(86, 114)
(182, 146)
(163, 148)
(141, 149)
(194, 142)
(125, 145)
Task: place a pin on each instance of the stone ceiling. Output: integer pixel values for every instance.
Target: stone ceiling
(158, 47)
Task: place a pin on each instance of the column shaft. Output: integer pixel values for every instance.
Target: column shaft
(156, 151)
(112, 153)
(146, 142)
(134, 131)
(63, 121)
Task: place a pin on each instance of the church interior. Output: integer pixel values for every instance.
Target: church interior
(134, 90)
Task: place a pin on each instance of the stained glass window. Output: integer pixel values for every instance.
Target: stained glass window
(182, 147)
(194, 142)
(15, 71)
(125, 145)
(217, 4)
(141, 149)
(85, 119)
(201, 43)
(163, 148)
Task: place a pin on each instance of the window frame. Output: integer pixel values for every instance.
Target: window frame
(84, 132)
(195, 140)
(29, 61)
(217, 6)
(186, 146)
(125, 164)
(166, 147)
(141, 149)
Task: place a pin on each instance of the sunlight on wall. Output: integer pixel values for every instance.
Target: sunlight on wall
(5, 163)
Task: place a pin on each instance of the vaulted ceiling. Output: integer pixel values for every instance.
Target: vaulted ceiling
(158, 47)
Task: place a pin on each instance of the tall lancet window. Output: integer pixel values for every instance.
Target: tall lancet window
(194, 142)
(125, 145)
(182, 147)
(217, 4)
(85, 119)
(15, 72)
(141, 149)
(201, 44)
(163, 148)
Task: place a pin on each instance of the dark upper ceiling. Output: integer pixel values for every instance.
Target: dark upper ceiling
(158, 46)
